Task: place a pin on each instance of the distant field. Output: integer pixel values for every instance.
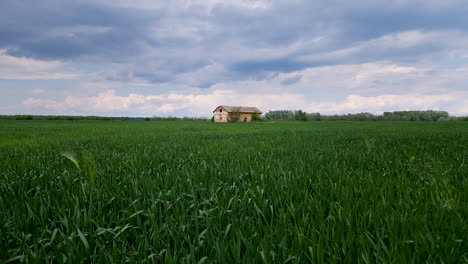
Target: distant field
(194, 192)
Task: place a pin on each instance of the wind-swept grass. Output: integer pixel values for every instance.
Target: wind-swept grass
(199, 192)
(87, 165)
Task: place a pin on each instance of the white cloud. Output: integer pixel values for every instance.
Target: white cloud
(16, 68)
(109, 103)
(370, 79)
(390, 102)
(369, 87)
(367, 79)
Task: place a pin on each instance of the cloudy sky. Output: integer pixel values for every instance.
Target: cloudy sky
(185, 57)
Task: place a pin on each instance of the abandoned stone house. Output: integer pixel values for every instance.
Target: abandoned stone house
(224, 113)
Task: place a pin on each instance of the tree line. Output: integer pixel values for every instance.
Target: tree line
(429, 115)
(123, 118)
(53, 117)
(285, 115)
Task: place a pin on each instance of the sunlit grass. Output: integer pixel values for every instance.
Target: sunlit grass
(194, 192)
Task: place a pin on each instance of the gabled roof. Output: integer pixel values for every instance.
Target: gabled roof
(240, 109)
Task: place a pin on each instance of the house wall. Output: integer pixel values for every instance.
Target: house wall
(220, 115)
(245, 118)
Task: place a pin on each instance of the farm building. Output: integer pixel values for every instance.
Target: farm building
(224, 113)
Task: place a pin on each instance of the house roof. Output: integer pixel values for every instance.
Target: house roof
(240, 109)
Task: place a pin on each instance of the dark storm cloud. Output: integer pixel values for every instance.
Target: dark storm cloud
(362, 26)
(162, 43)
(59, 30)
(258, 66)
(291, 80)
(340, 26)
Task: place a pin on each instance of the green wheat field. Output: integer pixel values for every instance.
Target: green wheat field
(201, 192)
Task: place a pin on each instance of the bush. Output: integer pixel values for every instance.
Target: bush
(23, 117)
(256, 117)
